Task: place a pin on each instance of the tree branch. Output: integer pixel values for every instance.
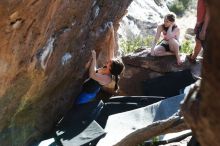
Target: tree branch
(173, 124)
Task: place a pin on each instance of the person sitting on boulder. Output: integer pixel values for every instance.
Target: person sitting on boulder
(170, 44)
(102, 76)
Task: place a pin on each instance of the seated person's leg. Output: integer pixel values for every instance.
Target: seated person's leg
(167, 50)
(160, 51)
(174, 47)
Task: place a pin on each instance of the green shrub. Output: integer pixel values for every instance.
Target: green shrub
(179, 6)
(186, 47)
(129, 46)
(186, 3)
(155, 141)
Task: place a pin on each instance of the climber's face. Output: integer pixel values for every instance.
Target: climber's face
(106, 68)
(167, 23)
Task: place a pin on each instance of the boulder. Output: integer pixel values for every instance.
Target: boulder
(142, 18)
(141, 66)
(44, 57)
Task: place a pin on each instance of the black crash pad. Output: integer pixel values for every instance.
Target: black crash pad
(78, 127)
(121, 124)
(83, 125)
(119, 104)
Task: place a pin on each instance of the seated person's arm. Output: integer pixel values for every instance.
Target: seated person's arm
(176, 33)
(157, 36)
(173, 34)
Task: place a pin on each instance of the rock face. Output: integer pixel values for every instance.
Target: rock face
(44, 55)
(202, 114)
(142, 18)
(141, 66)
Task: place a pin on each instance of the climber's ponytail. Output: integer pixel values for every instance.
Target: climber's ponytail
(116, 68)
(116, 83)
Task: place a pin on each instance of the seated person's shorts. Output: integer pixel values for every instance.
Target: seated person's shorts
(166, 46)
